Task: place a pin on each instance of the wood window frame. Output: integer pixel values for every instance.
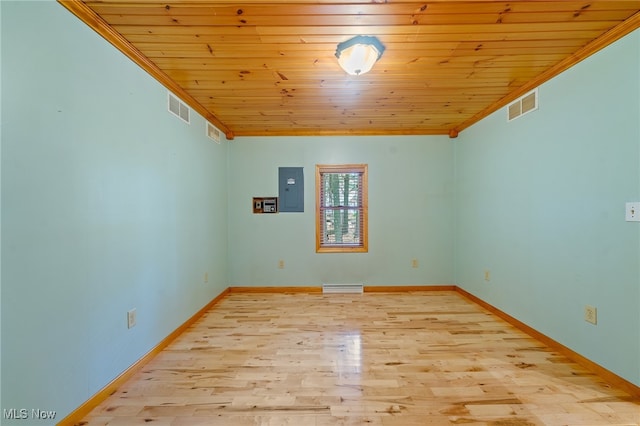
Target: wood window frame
(363, 246)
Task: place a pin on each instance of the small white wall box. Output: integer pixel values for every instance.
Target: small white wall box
(632, 212)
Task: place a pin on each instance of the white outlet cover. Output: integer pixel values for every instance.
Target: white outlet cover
(632, 212)
(131, 318)
(591, 314)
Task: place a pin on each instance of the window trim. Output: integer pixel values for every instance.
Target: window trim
(343, 168)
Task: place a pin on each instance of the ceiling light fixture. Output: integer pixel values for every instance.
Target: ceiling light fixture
(357, 55)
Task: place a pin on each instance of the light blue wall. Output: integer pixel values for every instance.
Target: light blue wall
(540, 203)
(410, 212)
(109, 203)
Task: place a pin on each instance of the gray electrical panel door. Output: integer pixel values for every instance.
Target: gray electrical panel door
(291, 189)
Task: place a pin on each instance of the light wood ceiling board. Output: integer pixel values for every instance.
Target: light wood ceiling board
(424, 88)
(270, 50)
(298, 8)
(346, 123)
(364, 101)
(330, 128)
(274, 20)
(499, 65)
(269, 130)
(353, 113)
(317, 60)
(425, 100)
(284, 89)
(178, 10)
(391, 105)
(380, 31)
(397, 62)
(472, 107)
(344, 127)
(354, 106)
(384, 65)
(415, 37)
(409, 96)
(507, 7)
(421, 79)
(400, 47)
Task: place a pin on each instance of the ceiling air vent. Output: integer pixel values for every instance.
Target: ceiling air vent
(213, 132)
(523, 105)
(178, 108)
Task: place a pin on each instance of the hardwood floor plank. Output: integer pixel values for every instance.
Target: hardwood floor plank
(412, 358)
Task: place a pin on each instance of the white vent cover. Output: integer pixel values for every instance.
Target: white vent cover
(178, 108)
(523, 105)
(213, 132)
(342, 288)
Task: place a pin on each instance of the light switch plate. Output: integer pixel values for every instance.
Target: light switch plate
(632, 212)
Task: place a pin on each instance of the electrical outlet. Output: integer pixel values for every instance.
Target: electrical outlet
(487, 275)
(591, 314)
(414, 263)
(280, 264)
(131, 318)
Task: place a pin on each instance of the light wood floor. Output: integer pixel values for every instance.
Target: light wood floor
(422, 358)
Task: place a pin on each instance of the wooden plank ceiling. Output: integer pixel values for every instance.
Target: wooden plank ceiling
(268, 67)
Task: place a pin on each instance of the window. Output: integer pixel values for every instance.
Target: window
(341, 208)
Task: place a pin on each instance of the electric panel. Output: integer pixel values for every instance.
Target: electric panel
(291, 189)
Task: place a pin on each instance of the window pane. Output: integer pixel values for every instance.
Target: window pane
(341, 226)
(341, 190)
